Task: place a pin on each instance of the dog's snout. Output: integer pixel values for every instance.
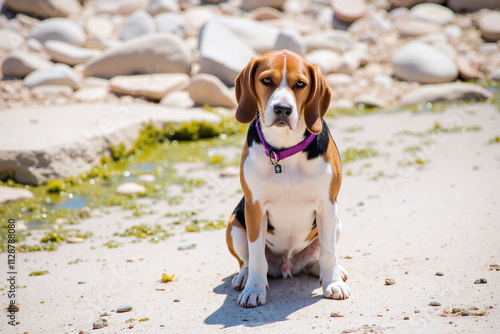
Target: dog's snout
(283, 110)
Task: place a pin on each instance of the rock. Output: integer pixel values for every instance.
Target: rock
(122, 7)
(416, 61)
(152, 86)
(481, 281)
(75, 240)
(59, 29)
(453, 31)
(68, 53)
(44, 92)
(338, 80)
(383, 80)
(10, 40)
(8, 194)
(348, 11)
(411, 3)
(58, 74)
(467, 5)
(434, 303)
(447, 49)
(208, 89)
(197, 16)
(350, 62)
(44, 8)
(160, 6)
(124, 308)
(495, 74)
(146, 178)
(466, 70)
(266, 13)
(253, 4)
(66, 141)
(291, 40)
(130, 188)
(445, 92)
(139, 23)
(326, 60)
(177, 100)
(61, 221)
(229, 172)
(21, 226)
(99, 26)
(336, 315)
(390, 281)
(173, 23)
(465, 313)
(19, 64)
(85, 212)
(414, 28)
(369, 101)
(489, 24)
(153, 53)
(91, 94)
(432, 12)
(341, 104)
(222, 53)
(260, 36)
(335, 40)
(439, 273)
(100, 323)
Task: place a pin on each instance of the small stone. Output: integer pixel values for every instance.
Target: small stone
(229, 171)
(336, 315)
(146, 178)
(100, 323)
(481, 281)
(488, 24)
(417, 311)
(348, 256)
(131, 259)
(84, 212)
(187, 247)
(59, 29)
(130, 188)
(465, 313)
(139, 23)
(208, 89)
(60, 221)
(434, 302)
(439, 273)
(406, 318)
(82, 282)
(152, 86)
(75, 240)
(390, 281)
(58, 74)
(124, 308)
(495, 266)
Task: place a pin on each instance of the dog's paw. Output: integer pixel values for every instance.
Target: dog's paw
(240, 279)
(252, 297)
(336, 290)
(343, 273)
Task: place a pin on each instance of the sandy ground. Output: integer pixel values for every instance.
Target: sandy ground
(401, 221)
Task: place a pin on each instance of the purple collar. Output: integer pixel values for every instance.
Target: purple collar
(275, 155)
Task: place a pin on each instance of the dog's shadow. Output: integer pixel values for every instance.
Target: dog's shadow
(285, 296)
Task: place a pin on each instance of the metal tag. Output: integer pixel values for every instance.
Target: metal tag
(277, 168)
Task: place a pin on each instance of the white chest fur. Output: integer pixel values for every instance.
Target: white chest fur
(291, 200)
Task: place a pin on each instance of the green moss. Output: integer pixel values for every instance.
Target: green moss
(39, 273)
(353, 154)
(55, 186)
(144, 319)
(55, 237)
(113, 244)
(37, 248)
(156, 231)
(438, 128)
(495, 140)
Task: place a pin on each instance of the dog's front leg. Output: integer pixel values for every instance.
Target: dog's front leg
(254, 293)
(330, 273)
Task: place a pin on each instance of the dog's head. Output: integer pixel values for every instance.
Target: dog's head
(286, 90)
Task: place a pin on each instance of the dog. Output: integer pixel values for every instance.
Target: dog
(290, 173)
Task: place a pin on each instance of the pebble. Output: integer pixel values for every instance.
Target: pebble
(82, 282)
(489, 26)
(19, 64)
(445, 92)
(253, 4)
(166, 51)
(61, 221)
(349, 11)
(10, 40)
(179, 99)
(369, 100)
(124, 308)
(57, 74)
(100, 323)
(138, 23)
(146, 178)
(327, 60)
(152, 86)
(161, 6)
(481, 281)
(173, 23)
(335, 40)
(229, 172)
(208, 89)
(432, 12)
(46, 8)
(290, 39)
(390, 281)
(465, 313)
(130, 188)
(8, 194)
(91, 94)
(348, 256)
(260, 36)
(417, 61)
(75, 240)
(439, 273)
(59, 29)
(434, 302)
(85, 212)
(336, 315)
(414, 28)
(466, 70)
(68, 53)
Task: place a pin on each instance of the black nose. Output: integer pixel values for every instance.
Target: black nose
(283, 110)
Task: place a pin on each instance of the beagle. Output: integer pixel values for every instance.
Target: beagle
(290, 173)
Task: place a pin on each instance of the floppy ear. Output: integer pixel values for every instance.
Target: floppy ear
(318, 101)
(245, 94)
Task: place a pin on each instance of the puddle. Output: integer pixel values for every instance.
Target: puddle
(73, 203)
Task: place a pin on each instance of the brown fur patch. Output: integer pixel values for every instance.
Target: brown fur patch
(233, 222)
(332, 157)
(313, 234)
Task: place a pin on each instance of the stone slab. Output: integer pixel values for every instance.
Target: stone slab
(40, 143)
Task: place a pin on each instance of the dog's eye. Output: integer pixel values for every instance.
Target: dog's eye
(300, 84)
(267, 81)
